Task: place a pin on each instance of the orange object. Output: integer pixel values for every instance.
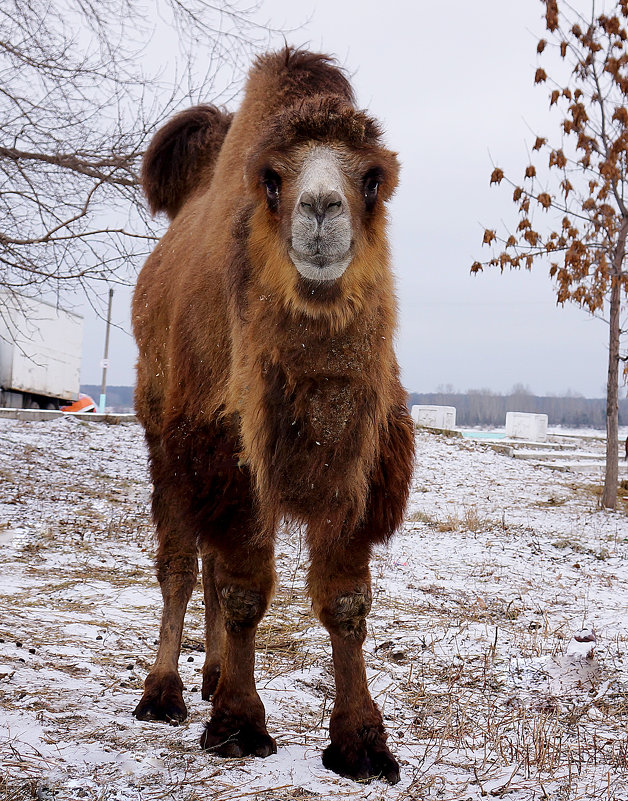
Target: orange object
(83, 404)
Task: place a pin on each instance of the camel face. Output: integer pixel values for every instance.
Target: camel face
(321, 225)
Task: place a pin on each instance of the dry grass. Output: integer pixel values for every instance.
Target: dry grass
(421, 517)
(468, 714)
(467, 520)
(464, 669)
(596, 490)
(552, 502)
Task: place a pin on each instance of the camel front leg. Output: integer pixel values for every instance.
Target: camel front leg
(177, 569)
(341, 594)
(244, 579)
(163, 688)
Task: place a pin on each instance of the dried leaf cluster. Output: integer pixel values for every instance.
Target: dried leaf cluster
(585, 188)
(576, 218)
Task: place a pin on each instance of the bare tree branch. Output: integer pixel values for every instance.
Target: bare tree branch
(83, 86)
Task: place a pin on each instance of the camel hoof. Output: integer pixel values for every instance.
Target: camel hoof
(162, 700)
(363, 762)
(228, 737)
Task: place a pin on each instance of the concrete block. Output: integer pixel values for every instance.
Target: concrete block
(39, 415)
(434, 416)
(525, 425)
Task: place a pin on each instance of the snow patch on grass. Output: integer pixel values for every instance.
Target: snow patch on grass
(472, 651)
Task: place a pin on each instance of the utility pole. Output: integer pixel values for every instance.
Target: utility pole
(105, 361)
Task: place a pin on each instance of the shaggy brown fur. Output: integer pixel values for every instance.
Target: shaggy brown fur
(181, 157)
(264, 394)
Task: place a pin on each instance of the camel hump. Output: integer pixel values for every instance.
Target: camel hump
(181, 156)
(293, 74)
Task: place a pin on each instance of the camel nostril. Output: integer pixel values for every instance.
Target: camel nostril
(322, 206)
(332, 204)
(333, 209)
(307, 204)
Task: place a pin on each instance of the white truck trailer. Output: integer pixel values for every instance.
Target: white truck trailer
(40, 353)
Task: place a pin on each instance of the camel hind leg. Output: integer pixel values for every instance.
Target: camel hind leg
(177, 567)
(214, 626)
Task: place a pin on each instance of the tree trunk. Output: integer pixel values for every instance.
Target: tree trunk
(609, 497)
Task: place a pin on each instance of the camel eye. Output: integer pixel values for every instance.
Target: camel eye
(371, 186)
(272, 182)
(272, 189)
(371, 182)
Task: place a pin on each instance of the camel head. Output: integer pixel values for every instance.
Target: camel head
(321, 178)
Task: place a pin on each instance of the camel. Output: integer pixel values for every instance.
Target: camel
(268, 388)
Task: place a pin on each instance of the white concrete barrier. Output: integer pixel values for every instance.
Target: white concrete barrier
(525, 425)
(39, 415)
(434, 416)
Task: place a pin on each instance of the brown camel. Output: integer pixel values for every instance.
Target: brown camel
(268, 387)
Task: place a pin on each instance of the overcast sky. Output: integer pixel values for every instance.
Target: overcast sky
(453, 84)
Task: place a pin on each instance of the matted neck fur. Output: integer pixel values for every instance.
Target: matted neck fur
(268, 387)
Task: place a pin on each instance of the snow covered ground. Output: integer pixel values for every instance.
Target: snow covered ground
(471, 651)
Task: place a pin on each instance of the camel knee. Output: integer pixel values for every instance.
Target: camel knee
(241, 607)
(179, 570)
(345, 614)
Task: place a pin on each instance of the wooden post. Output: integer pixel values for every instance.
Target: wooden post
(105, 361)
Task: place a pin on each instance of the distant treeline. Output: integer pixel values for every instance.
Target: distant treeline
(473, 408)
(119, 399)
(485, 408)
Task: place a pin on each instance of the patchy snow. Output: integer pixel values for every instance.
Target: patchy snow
(497, 644)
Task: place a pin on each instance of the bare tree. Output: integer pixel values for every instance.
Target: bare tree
(83, 84)
(584, 187)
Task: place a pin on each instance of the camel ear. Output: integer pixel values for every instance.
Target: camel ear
(392, 168)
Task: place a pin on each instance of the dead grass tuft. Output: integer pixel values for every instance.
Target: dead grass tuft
(420, 517)
(552, 502)
(595, 492)
(468, 521)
